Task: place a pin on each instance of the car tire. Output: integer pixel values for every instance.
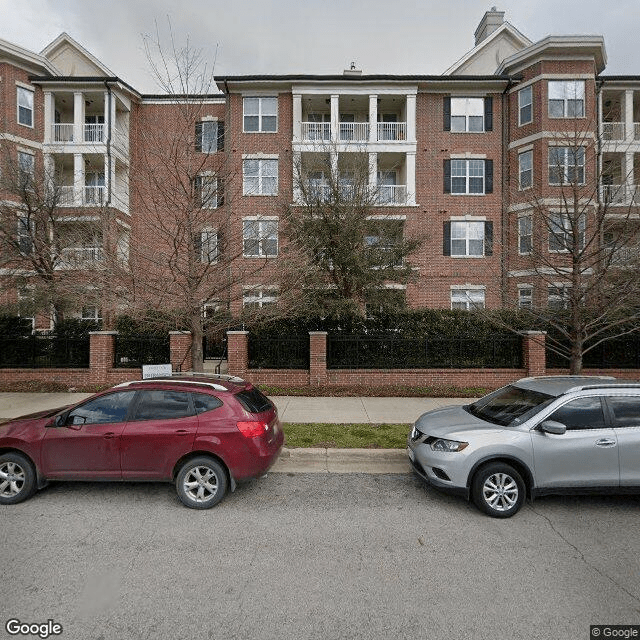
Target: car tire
(17, 478)
(201, 483)
(498, 490)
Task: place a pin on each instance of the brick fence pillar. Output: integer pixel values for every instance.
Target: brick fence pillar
(102, 347)
(180, 353)
(238, 353)
(317, 358)
(534, 353)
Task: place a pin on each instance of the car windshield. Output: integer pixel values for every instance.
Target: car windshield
(510, 405)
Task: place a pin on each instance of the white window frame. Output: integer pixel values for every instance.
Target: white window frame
(466, 108)
(525, 99)
(209, 248)
(561, 237)
(212, 141)
(565, 165)
(525, 296)
(523, 169)
(566, 92)
(261, 115)
(29, 94)
(472, 297)
(26, 229)
(467, 226)
(470, 165)
(26, 170)
(524, 233)
(265, 172)
(95, 317)
(267, 231)
(558, 295)
(260, 296)
(207, 186)
(25, 294)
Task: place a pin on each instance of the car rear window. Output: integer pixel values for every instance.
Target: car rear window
(254, 401)
(509, 405)
(204, 402)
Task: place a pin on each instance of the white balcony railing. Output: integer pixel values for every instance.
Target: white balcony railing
(625, 255)
(354, 131)
(614, 194)
(80, 257)
(315, 131)
(392, 194)
(66, 196)
(93, 132)
(94, 196)
(613, 130)
(392, 131)
(62, 132)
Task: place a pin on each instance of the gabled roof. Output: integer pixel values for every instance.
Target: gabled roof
(506, 31)
(73, 59)
(32, 61)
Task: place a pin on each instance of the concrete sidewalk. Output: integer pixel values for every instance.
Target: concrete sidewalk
(296, 409)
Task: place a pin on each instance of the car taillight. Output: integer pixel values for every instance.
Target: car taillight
(252, 429)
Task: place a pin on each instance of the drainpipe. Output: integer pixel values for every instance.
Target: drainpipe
(108, 167)
(504, 254)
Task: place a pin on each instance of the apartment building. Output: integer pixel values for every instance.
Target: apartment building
(453, 158)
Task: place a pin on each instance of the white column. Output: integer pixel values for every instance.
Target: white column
(49, 109)
(411, 177)
(373, 118)
(335, 118)
(49, 172)
(78, 179)
(333, 161)
(78, 117)
(629, 127)
(373, 171)
(411, 118)
(110, 178)
(297, 176)
(297, 117)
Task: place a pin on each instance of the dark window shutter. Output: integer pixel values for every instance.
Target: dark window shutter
(220, 135)
(447, 176)
(488, 176)
(447, 113)
(488, 238)
(197, 245)
(488, 114)
(446, 238)
(220, 192)
(198, 136)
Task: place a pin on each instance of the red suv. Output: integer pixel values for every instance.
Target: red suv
(202, 432)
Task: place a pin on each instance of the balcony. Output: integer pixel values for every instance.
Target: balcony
(392, 131)
(391, 195)
(64, 132)
(620, 195)
(80, 257)
(314, 131)
(625, 256)
(613, 131)
(354, 131)
(94, 132)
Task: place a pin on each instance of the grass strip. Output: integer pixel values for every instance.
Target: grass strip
(346, 436)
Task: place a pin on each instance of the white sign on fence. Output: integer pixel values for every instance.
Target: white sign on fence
(155, 371)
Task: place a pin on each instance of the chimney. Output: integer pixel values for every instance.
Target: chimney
(491, 21)
(352, 71)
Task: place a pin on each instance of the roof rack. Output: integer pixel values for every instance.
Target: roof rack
(620, 385)
(217, 387)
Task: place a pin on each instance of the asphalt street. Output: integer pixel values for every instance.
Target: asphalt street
(316, 556)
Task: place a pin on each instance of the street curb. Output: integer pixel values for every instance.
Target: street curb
(331, 460)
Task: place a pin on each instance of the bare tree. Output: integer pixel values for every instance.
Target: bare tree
(344, 249)
(579, 247)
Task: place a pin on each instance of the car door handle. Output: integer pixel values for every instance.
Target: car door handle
(182, 432)
(109, 435)
(605, 442)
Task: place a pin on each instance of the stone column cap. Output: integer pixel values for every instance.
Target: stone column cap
(318, 333)
(103, 333)
(179, 333)
(533, 333)
(238, 333)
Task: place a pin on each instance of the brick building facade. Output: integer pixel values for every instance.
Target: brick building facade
(454, 158)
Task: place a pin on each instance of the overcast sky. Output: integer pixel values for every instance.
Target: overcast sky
(299, 36)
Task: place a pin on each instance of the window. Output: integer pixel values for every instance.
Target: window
(209, 192)
(566, 165)
(561, 235)
(26, 229)
(581, 413)
(103, 410)
(468, 176)
(626, 410)
(525, 169)
(25, 106)
(525, 106)
(206, 245)
(383, 242)
(525, 297)
(384, 301)
(161, 405)
(91, 313)
(566, 98)
(558, 296)
(254, 401)
(260, 114)
(387, 192)
(259, 238)
(467, 299)
(525, 235)
(259, 298)
(468, 238)
(26, 170)
(204, 402)
(467, 115)
(260, 177)
(210, 136)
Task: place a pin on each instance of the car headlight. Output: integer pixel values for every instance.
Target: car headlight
(441, 444)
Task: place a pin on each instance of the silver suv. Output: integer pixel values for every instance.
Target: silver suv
(556, 434)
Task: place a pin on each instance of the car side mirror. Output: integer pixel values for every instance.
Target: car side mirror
(76, 422)
(551, 426)
(57, 421)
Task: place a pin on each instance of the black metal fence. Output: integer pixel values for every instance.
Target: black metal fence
(619, 353)
(44, 351)
(396, 352)
(214, 347)
(133, 352)
(279, 352)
